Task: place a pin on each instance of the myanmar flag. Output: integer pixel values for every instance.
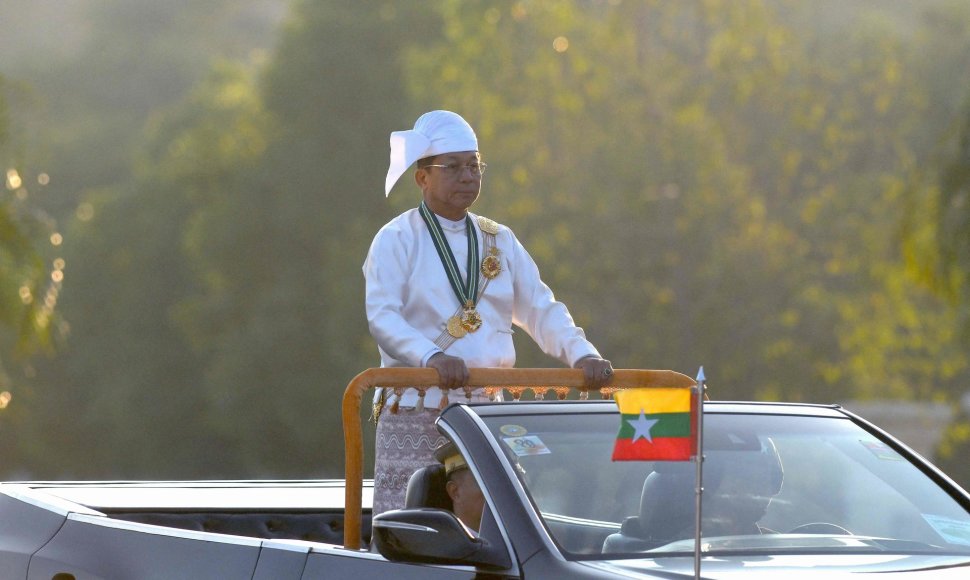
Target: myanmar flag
(656, 425)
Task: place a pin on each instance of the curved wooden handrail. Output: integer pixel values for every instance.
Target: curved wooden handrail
(479, 377)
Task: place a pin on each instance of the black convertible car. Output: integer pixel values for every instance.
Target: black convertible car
(790, 491)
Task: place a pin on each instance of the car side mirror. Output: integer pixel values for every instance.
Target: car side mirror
(433, 536)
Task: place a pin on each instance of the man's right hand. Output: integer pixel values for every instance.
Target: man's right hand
(451, 369)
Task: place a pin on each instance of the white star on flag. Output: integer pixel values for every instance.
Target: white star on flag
(642, 427)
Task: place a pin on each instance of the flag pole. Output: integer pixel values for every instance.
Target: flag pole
(699, 470)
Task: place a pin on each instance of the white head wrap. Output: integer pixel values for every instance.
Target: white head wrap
(434, 133)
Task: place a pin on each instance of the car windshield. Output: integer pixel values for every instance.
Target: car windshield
(772, 483)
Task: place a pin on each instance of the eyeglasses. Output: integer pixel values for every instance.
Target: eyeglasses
(455, 169)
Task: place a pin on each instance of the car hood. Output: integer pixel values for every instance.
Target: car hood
(794, 567)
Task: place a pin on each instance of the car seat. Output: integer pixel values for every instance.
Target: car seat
(666, 510)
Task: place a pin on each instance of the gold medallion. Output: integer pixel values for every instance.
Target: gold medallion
(491, 266)
(471, 320)
(488, 226)
(456, 328)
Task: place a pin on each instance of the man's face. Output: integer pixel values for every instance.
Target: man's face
(467, 498)
(446, 193)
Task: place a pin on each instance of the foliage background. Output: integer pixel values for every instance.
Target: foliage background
(775, 190)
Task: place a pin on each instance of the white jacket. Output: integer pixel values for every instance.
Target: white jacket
(409, 300)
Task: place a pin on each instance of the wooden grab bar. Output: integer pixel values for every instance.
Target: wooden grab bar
(478, 377)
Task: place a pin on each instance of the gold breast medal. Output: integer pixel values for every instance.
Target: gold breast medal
(455, 327)
(491, 265)
(471, 320)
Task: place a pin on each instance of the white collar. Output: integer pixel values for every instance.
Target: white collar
(451, 226)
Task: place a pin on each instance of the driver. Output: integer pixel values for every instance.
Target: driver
(742, 485)
(461, 486)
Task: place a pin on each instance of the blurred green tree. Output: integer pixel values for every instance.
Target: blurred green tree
(937, 202)
(704, 185)
(937, 235)
(28, 289)
(23, 274)
(127, 373)
(100, 68)
(953, 239)
(278, 245)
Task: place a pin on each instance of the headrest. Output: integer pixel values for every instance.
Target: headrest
(426, 488)
(667, 500)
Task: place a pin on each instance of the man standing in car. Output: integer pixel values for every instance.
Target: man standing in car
(443, 290)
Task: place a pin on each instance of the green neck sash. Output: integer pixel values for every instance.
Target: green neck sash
(466, 291)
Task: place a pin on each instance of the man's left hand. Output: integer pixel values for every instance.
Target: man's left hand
(597, 372)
